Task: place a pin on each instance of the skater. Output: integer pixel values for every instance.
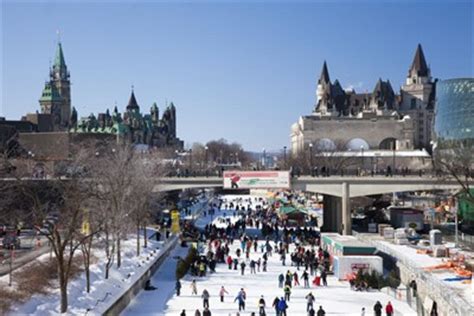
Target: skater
(282, 306)
(222, 292)
(295, 279)
(229, 262)
(261, 306)
(241, 300)
(264, 265)
(389, 309)
(193, 286)
(317, 279)
(287, 291)
(197, 313)
(252, 266)
(259, 262)
(242, 268)
(309, 301)
(275, 305)
(311, 312)
(305, 276)
(178, 288)
(321, 311)
(206, 312)
(378, 309)
(281, 279)
(236, 262)
(183, 313)
(362, 312)
(205, 298)
(324, 276)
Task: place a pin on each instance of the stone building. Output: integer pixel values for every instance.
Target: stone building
(347, 120)
(133, 126)
(36, 131)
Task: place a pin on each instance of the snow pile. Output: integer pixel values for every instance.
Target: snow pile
(103, 292)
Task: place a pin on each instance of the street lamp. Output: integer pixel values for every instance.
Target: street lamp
(284, 155)
(264, 163)
(362, 155)
(311, 158)
(394, 147)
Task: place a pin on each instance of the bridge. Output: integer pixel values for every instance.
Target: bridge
(337, 191)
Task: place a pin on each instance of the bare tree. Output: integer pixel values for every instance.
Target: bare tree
(456, 159)
(334, 158)
(146, 169)
(113, 169)
(57, 209)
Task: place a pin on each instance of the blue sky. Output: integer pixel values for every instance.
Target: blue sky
(244, 71)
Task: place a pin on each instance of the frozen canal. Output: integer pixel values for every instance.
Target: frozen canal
(336, 299)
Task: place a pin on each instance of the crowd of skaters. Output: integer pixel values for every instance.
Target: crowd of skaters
(309, 259)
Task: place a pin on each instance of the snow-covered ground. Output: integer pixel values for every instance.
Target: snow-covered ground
(336, 299)
(103, 292)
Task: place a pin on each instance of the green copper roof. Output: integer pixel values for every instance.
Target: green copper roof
(50, 93)
(59, 59)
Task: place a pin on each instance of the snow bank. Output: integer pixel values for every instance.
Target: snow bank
(103, 292)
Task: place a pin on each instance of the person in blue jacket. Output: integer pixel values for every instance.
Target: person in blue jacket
(241, 300)
(282, 306)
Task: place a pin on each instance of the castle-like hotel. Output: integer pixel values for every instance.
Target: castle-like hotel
(347, 120)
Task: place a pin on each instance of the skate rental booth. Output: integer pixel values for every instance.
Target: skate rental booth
(348, 255)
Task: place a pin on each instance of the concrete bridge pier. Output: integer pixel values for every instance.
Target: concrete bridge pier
(332, 216)
(346, 210)
(337, 212)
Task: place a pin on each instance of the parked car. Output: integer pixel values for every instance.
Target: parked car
(10, 242)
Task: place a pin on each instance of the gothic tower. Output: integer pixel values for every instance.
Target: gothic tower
(323, 91)
(60, 79)
(417, 98)
(56, 96)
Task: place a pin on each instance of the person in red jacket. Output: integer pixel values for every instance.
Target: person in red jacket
(389, 309)
(229, 262)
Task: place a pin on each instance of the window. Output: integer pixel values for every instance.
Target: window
(413, 103)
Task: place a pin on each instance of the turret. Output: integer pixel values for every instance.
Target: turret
(419, 73)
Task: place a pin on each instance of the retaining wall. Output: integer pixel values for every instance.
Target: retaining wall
(122, 302)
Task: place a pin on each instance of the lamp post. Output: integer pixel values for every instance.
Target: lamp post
(206, 159)
(362, 155)
(190, 160)
(284, 155)
(394, 147)
(311, 158)
(264, 163)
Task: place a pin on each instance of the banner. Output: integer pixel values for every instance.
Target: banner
(256, 179)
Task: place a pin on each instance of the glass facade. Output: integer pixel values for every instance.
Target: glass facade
(454, 118)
